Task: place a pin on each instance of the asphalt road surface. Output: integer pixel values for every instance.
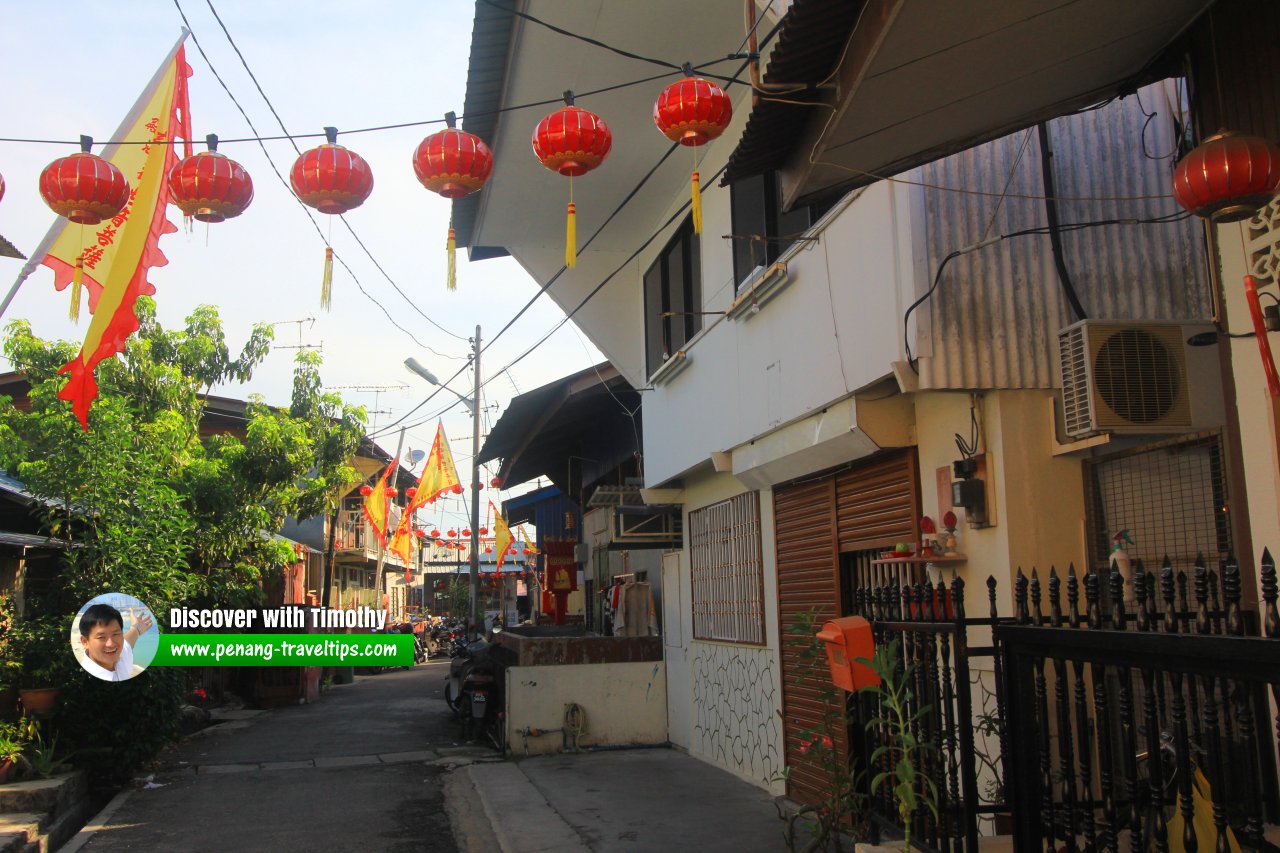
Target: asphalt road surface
(361, 769)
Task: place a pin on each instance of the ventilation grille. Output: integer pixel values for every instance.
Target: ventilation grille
(1124, 378)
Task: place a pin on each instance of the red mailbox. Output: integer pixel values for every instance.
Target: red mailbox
(847, 640)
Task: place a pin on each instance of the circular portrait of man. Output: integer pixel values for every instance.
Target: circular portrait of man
(114, 636)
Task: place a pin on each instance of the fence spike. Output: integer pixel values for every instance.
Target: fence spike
(1231, 592)
(957, 599)
(1020, 598)
(1270, 618)
(1202, 598)
(1117, 599)
(991, 595)
(1140, 592)
(1055, 598)
(1073, 596)
(1091, 600)
(1166, 590)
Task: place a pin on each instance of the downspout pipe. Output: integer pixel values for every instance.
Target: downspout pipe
(1055, 231)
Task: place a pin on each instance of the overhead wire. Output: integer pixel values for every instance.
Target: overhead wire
(345, 223)
(196, 41)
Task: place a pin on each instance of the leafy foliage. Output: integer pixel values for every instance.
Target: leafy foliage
(150, 507)
(900, 718)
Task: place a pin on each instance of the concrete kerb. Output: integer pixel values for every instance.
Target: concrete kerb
(98, 821)
(522, 819)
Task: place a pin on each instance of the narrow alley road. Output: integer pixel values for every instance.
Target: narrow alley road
(359, 770)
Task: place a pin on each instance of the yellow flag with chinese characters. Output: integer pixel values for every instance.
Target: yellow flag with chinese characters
(377, 505)
(501, 535)
(116, 254)
(439, 475)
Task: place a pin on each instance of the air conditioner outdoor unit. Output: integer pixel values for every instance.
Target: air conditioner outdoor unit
(1134, 377)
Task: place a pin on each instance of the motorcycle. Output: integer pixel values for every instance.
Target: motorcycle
(474, 692)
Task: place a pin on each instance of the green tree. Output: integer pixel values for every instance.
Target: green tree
(150, 507)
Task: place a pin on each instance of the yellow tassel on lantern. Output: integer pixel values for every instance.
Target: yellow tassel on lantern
(571, 238)
(697, 206)
(77, 280)
(451, 279)
(326, 283)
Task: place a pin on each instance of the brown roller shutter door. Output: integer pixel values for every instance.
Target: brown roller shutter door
(816, 520)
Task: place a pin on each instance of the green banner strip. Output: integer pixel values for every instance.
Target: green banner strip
(284, 650)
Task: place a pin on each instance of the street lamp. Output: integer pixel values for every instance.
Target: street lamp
(415, 367)
(473, 405)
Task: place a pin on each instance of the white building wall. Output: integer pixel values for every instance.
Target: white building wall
(725, 699)
(1258, 427)
(829, 332)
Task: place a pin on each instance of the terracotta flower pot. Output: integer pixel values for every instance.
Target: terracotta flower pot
(6, 770)
(39, 700)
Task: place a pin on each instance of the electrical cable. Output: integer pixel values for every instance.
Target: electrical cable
(1055, 234)
(276, 170)
(1039, 231)
(280, 121)
(505, 370)
(594, 42)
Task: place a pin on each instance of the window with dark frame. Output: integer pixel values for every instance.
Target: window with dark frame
(727, 571)
(761, 230)
(673, 297)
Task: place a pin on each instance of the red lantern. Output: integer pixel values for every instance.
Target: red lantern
(496, 482)
(439, 542)
(466, 533)
(333, 180)
(454, 164)
(1228, 177)
(366, 490)
(435, 534)
(83, 187)
(1, 186)
(488, 549)
(421, 534)
(391, 493)
(411, 492)
(693, 112)
(453, 533)
(571, 141)
(484, 531)
(209, 186)
(457, 488)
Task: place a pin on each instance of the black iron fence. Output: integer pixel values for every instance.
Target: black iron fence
(928, 621)
(1129, 712)
(1144, 722)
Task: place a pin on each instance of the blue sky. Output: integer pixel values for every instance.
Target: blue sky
(76, 67)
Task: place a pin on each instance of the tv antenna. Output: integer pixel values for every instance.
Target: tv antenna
(377, 391)
(310, 321)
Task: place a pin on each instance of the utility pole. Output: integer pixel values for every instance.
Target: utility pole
(475, 487)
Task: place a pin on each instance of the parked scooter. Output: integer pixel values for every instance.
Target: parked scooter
(474, 692)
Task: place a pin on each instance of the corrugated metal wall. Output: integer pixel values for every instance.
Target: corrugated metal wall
(869, 506)
(993, 320)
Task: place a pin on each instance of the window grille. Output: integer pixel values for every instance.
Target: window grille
(1170, 496)
(727, 571)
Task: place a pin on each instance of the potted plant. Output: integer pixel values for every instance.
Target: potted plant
(45, 653)
(11, 746)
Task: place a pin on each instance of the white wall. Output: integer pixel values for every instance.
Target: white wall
(625, 704)
(728, 695)
(1258, 438)
(821, 338)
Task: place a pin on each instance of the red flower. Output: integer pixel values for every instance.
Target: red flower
(826, 741)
